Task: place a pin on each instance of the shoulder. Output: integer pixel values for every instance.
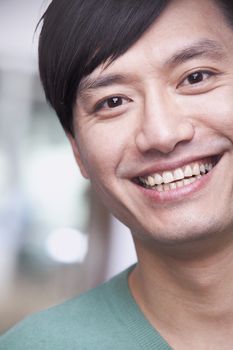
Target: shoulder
(79, 323)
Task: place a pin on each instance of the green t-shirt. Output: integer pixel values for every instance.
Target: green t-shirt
(105, 318)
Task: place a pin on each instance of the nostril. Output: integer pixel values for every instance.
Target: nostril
(155, 131)
(164, 139)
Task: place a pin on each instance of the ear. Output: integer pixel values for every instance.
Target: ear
(77, 155)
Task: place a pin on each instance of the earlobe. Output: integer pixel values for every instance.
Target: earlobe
(77, 155)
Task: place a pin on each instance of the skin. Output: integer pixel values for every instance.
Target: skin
(161, 121)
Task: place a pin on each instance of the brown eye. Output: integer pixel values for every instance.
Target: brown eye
(114, 102)
(195, 78)
(111, 103)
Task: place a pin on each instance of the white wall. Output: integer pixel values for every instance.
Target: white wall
(18, 19)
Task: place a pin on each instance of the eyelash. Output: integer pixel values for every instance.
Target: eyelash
(202, 72)
(100, 104)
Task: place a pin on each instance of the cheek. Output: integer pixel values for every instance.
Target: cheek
(103, 145)
(214, 111)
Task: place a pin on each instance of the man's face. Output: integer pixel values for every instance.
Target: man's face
(149, 126)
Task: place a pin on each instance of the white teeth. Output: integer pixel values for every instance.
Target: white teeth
(208, 167)
(180, 183)
(178, 174)
(172, 186)
(151, 181)
(167, 177)
(188, 171)
(187, 181)
(158, 179)
(196, 169)
(202, 169)
(166, 187)
(183, 176)
(159, 188)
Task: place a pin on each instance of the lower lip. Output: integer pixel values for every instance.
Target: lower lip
(179, 193)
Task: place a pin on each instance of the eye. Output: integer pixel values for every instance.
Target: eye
(196, 78)
(111, 103)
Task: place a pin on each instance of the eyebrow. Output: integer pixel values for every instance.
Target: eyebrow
(203, 48)
(89, 83)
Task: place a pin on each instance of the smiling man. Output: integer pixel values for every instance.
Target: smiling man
(144, 91)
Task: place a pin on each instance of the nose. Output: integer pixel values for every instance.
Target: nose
(163, 126)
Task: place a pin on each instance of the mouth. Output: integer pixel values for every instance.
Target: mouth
(169, 180)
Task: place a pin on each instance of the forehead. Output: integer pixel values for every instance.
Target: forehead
(185, 28)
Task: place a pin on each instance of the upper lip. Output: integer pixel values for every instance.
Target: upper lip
(169, 165)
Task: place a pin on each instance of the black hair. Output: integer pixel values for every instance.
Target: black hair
(226, 6)
(79, 35)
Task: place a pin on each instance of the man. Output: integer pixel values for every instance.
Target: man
(144, 90)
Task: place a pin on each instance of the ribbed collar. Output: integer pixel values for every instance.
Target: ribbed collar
(126, 309)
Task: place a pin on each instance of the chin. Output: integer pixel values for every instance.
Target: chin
(191, 235)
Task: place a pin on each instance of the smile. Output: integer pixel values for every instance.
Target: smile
(179, 177)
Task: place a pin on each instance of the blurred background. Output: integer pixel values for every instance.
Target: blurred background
(56, 238)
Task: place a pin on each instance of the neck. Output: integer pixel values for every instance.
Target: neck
(188, 287)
